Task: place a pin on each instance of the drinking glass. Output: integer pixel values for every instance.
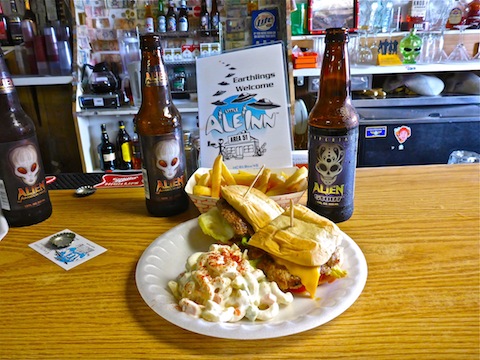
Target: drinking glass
(460, 53)
(437, 14)
(364, 54)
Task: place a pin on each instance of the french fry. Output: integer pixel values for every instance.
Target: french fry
(205, 180)
(227, 175)
(217, 176)
(276, 180)
(263, 179)
(243, 178)
(201, 190)
(297, 176)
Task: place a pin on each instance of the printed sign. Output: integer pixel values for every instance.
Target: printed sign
(243, 108)
(264, 26)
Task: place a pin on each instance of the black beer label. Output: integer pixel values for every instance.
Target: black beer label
(6, 86)
(22, 177)
(331, 162)
(163, 165)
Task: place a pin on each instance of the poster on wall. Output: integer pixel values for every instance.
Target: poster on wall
(243, 108)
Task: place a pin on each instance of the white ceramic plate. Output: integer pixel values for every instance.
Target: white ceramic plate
(165, 259)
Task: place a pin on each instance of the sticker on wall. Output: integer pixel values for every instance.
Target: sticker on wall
(402, 133)
(375, 132)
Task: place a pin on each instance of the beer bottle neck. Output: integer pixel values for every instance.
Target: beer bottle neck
(155, 86)
(335, 77)
(9, 100)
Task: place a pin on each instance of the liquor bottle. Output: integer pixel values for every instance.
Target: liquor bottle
(417, 14)
(24, 195)
(106, 150)
(473, 15)
(251, 6)
(333, 134)
(159, 127)
(4, 30)
(15, 24)
(29, 15)
(149, 23)
(204, 18)
(161, 18)
(214, 16)
(183, 17)
(171, 17)
(458, 14)
(124, 148)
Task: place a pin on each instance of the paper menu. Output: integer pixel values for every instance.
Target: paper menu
(243, 108)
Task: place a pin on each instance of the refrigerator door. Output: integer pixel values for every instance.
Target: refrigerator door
(416, 136)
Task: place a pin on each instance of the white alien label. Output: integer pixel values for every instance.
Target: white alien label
(163, 165)
(332, 160)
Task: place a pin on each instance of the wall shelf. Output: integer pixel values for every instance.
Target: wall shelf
(400, 69)
(38, 80)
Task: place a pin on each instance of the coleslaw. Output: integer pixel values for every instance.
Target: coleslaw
(222, 286)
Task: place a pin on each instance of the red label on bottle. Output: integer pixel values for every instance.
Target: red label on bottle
(163, 161)
(3, 31)
(22, 178)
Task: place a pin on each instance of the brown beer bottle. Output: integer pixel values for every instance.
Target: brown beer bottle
(159, 127)
(23, 190)
(333, 135)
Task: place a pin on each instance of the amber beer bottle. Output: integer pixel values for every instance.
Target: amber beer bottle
(159, 127)
(333, 135)
(23, 191)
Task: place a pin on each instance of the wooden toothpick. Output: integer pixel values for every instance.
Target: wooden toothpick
(291, 213)
(254, 180)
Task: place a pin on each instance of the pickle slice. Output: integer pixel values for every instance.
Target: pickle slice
(214, 225)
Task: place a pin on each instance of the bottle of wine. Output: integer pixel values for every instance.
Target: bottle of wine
(15, 24)
(204, 18)
(30, 16)
(5, 39)
(214, 16)
(106, 151)
(24, 195)
(124, 148)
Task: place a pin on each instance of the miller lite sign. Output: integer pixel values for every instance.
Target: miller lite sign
(264, 26)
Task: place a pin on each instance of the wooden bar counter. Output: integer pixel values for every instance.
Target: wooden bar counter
(418, 226)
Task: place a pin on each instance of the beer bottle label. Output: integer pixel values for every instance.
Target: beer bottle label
(163, 166)
(22, 177)
(162, 24)
(331, 162)
(6, 85)
(155, 76)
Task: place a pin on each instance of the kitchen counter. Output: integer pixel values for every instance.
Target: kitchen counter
(418, 227)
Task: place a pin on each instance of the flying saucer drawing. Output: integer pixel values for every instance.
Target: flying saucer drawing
(219, 92)
(243, 97)
(263, 104)
(230, 75)
(223, 83)
(219, 103)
